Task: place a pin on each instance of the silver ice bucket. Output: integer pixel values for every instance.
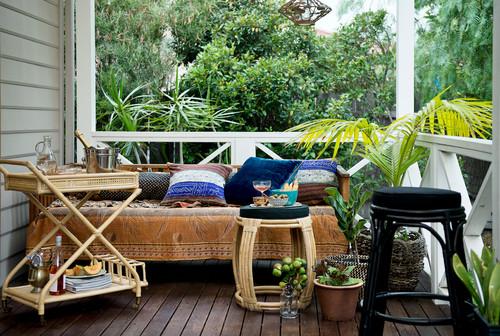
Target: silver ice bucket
(101, 160)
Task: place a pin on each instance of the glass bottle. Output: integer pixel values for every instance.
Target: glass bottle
(45, 158)
(59, 286)
(289, 303)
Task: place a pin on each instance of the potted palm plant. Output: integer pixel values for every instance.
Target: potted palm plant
(337, 291)
(483, 283)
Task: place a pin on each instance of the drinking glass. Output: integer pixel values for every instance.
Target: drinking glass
(262, 185)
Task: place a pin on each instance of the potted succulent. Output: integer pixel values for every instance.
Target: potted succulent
(483, 284)
(337, 292)
(347, 214)
(293, 278)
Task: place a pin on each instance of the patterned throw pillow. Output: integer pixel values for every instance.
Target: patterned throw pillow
(154, 185)
(239, 190)
(197, 183)
(313, 177)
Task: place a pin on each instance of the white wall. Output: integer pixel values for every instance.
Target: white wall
(30, 103)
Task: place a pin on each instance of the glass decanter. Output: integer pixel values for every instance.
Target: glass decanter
(45, 158)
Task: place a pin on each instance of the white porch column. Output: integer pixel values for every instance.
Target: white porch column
(85, 69)
(405, 93)
(405, 46)
(496, 128)
(69, 78)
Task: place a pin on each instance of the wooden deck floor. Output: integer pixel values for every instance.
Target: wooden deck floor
(195, 298)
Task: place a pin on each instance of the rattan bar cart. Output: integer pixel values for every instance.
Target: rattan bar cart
(124, 272)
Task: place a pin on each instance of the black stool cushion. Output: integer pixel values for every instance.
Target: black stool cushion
(290, 212)
(409, 198)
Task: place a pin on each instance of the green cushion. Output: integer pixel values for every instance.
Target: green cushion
(289, 212)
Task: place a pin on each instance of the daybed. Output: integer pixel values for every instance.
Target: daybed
(148, 231)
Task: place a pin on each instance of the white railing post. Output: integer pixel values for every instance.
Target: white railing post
(85, 69)
(242, 149)
(433, 177)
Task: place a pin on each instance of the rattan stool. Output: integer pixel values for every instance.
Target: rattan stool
(303, 245)
(414, 207)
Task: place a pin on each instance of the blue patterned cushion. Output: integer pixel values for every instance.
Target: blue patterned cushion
(313, 177)
(197, 183)
(317, 171)
(239, 190)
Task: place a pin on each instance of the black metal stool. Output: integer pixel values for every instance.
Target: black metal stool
(404, 206)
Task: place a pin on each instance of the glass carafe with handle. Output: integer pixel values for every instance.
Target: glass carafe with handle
(45, 158)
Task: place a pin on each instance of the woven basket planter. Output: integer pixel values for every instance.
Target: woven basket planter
(407, 259)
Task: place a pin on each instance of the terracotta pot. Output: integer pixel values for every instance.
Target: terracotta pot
(338, 303)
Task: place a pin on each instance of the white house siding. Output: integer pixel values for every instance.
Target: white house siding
(30, 104)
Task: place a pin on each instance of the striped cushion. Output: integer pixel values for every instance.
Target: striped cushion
(313, 177)
(197, 183)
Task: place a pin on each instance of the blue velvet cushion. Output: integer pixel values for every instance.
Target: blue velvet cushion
(239, 190)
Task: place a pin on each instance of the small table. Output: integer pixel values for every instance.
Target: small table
(123, 271)
(295, 218)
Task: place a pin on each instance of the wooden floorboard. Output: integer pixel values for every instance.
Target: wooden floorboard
(271, 323)
(218, 313)
(198, 318)
(309, 320)
(197, 298)
(166, 310)
(184, 310)
(252, 323)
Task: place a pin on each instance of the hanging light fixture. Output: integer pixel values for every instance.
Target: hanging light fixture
(304, 12)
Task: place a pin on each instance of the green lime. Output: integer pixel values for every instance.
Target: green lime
(303, 277)
(295, 282)
(285, 268)
(277, 266)
(276, 273)
(302, 270)
(287, 260)
(282, 284)
(297, 264)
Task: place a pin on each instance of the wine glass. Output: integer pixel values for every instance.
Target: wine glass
(262, 185)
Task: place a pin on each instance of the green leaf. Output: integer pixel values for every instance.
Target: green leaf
(467, 280)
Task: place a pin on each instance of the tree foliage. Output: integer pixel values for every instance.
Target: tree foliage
(130, 44)
(454, 47)
(279, 74)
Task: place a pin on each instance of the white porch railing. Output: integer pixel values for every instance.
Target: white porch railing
(442, 171)
(242, 144)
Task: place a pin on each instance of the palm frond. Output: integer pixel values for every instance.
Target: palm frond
(464, 117)
(393, 159)
(336, 131)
